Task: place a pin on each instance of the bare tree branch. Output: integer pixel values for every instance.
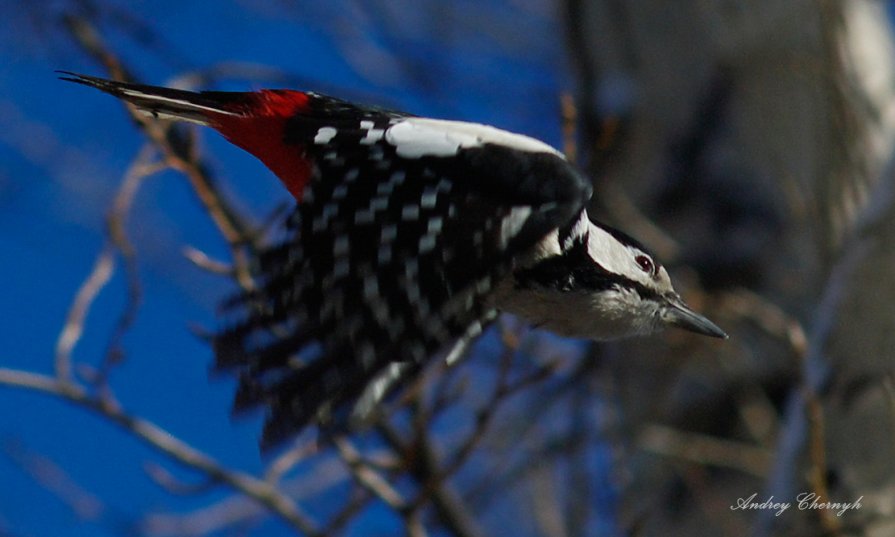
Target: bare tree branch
(159, 439)
(705, 450)
(104, 268)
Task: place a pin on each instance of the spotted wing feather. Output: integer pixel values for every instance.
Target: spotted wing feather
(403, 227)
(387, 260)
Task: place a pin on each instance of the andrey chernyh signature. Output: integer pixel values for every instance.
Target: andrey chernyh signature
(805, 501)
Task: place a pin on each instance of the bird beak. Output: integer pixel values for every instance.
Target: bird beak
(679, 314)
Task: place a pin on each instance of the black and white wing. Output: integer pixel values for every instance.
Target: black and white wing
(403, 231)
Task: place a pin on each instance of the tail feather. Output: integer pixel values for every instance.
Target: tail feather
(305, 350)
(166, 103)
(255, 121)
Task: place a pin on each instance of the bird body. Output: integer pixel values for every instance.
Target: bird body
(409, 236)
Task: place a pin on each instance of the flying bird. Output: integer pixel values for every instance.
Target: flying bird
(409, 235)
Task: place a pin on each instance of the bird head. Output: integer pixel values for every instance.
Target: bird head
(592, 281)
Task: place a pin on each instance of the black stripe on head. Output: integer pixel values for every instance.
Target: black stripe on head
(576, 270)
(565, 232)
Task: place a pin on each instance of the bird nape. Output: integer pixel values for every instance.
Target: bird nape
(409, 236)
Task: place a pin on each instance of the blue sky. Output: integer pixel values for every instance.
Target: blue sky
(64, 148)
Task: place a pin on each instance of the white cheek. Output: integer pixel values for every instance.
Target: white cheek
(619, 259)
(611, 254)
(665, 279)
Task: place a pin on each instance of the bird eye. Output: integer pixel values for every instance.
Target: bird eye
(646, 264)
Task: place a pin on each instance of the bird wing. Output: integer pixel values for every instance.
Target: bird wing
(388, 259)
(403, 228)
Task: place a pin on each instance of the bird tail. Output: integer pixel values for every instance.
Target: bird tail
(255, 121)
(159, 102)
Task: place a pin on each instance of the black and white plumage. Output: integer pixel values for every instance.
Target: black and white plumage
(410, 235)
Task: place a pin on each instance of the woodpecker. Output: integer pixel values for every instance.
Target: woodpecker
(410, 234)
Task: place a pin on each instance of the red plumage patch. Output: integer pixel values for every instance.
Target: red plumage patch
(260, 129)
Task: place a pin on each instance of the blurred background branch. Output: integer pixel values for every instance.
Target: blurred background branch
(748, 145)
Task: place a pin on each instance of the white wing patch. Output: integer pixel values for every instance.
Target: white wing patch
(422, 137)
(512, 223)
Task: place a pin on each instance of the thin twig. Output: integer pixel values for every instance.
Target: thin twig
(769, 317)
(354, 505)
(817, 455)
(206, 263)
(502, 391)
(414, 524)
(177, 149)
(545, 501)
(569, 114)
(172, 484)
(258, 489)
(83, 504)
(706, 450)
(368, 477)
(103, 269)
(288, 459)
(73, 329)
(453, 511)
(238, 511)
(142, 168)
